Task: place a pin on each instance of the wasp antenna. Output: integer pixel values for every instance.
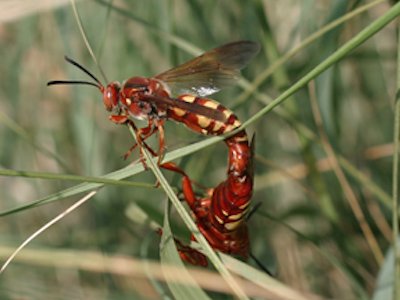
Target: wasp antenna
(54, 82)
(261, 266)
(253, 210)
(82, 68)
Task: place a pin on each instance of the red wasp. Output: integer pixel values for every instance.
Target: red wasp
(179, 94)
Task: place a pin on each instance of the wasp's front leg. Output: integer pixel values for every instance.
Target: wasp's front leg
(141, 135)
(154, 126)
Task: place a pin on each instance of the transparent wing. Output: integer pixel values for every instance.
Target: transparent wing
(211, 71)
(166, 102)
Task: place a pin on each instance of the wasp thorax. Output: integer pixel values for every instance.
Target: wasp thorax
(110, 95)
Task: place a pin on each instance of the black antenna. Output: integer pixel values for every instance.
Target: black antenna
(82, 68)
(71, 61)
(260, 265)
(53, 82)
(253, 210)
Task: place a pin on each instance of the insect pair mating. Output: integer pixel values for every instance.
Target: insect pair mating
(179, 94)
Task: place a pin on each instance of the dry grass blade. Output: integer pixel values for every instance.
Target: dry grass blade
(274, 289)
(96, 262)
(236, 289)
(395, 184)
(47, 225)
(347, 190)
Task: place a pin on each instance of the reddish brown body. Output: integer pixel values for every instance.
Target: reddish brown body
(220, 214)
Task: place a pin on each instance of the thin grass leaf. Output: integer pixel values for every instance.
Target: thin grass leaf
(140, 217)
(172, 38)
(8, 122)
(46, 226)
(334, 261)
(76, 190)
(169, 256)
(191, 225)
(274, 288)
(68, 177)
(395, 187)
(339, 54)
(251, 89)
(120, 174)
(386, 285)
(85, 39)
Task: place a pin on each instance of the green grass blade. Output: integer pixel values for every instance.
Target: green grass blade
(120, 174)
(385, 287)
(212, 256)
(169, 256)
(395, 187)
(251, 88)
(339, 54)
(68, 177)
(276, 289)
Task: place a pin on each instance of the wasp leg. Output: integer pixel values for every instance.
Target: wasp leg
(188, 254)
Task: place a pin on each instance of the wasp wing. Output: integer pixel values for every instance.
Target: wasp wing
(166, 102)
(211, 71)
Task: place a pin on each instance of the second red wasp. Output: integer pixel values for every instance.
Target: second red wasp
(180, 94)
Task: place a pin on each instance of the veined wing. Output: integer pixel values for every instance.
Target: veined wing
(166, 102)
(211, 71)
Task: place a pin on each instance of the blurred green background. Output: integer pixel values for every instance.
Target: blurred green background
(306, 230)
